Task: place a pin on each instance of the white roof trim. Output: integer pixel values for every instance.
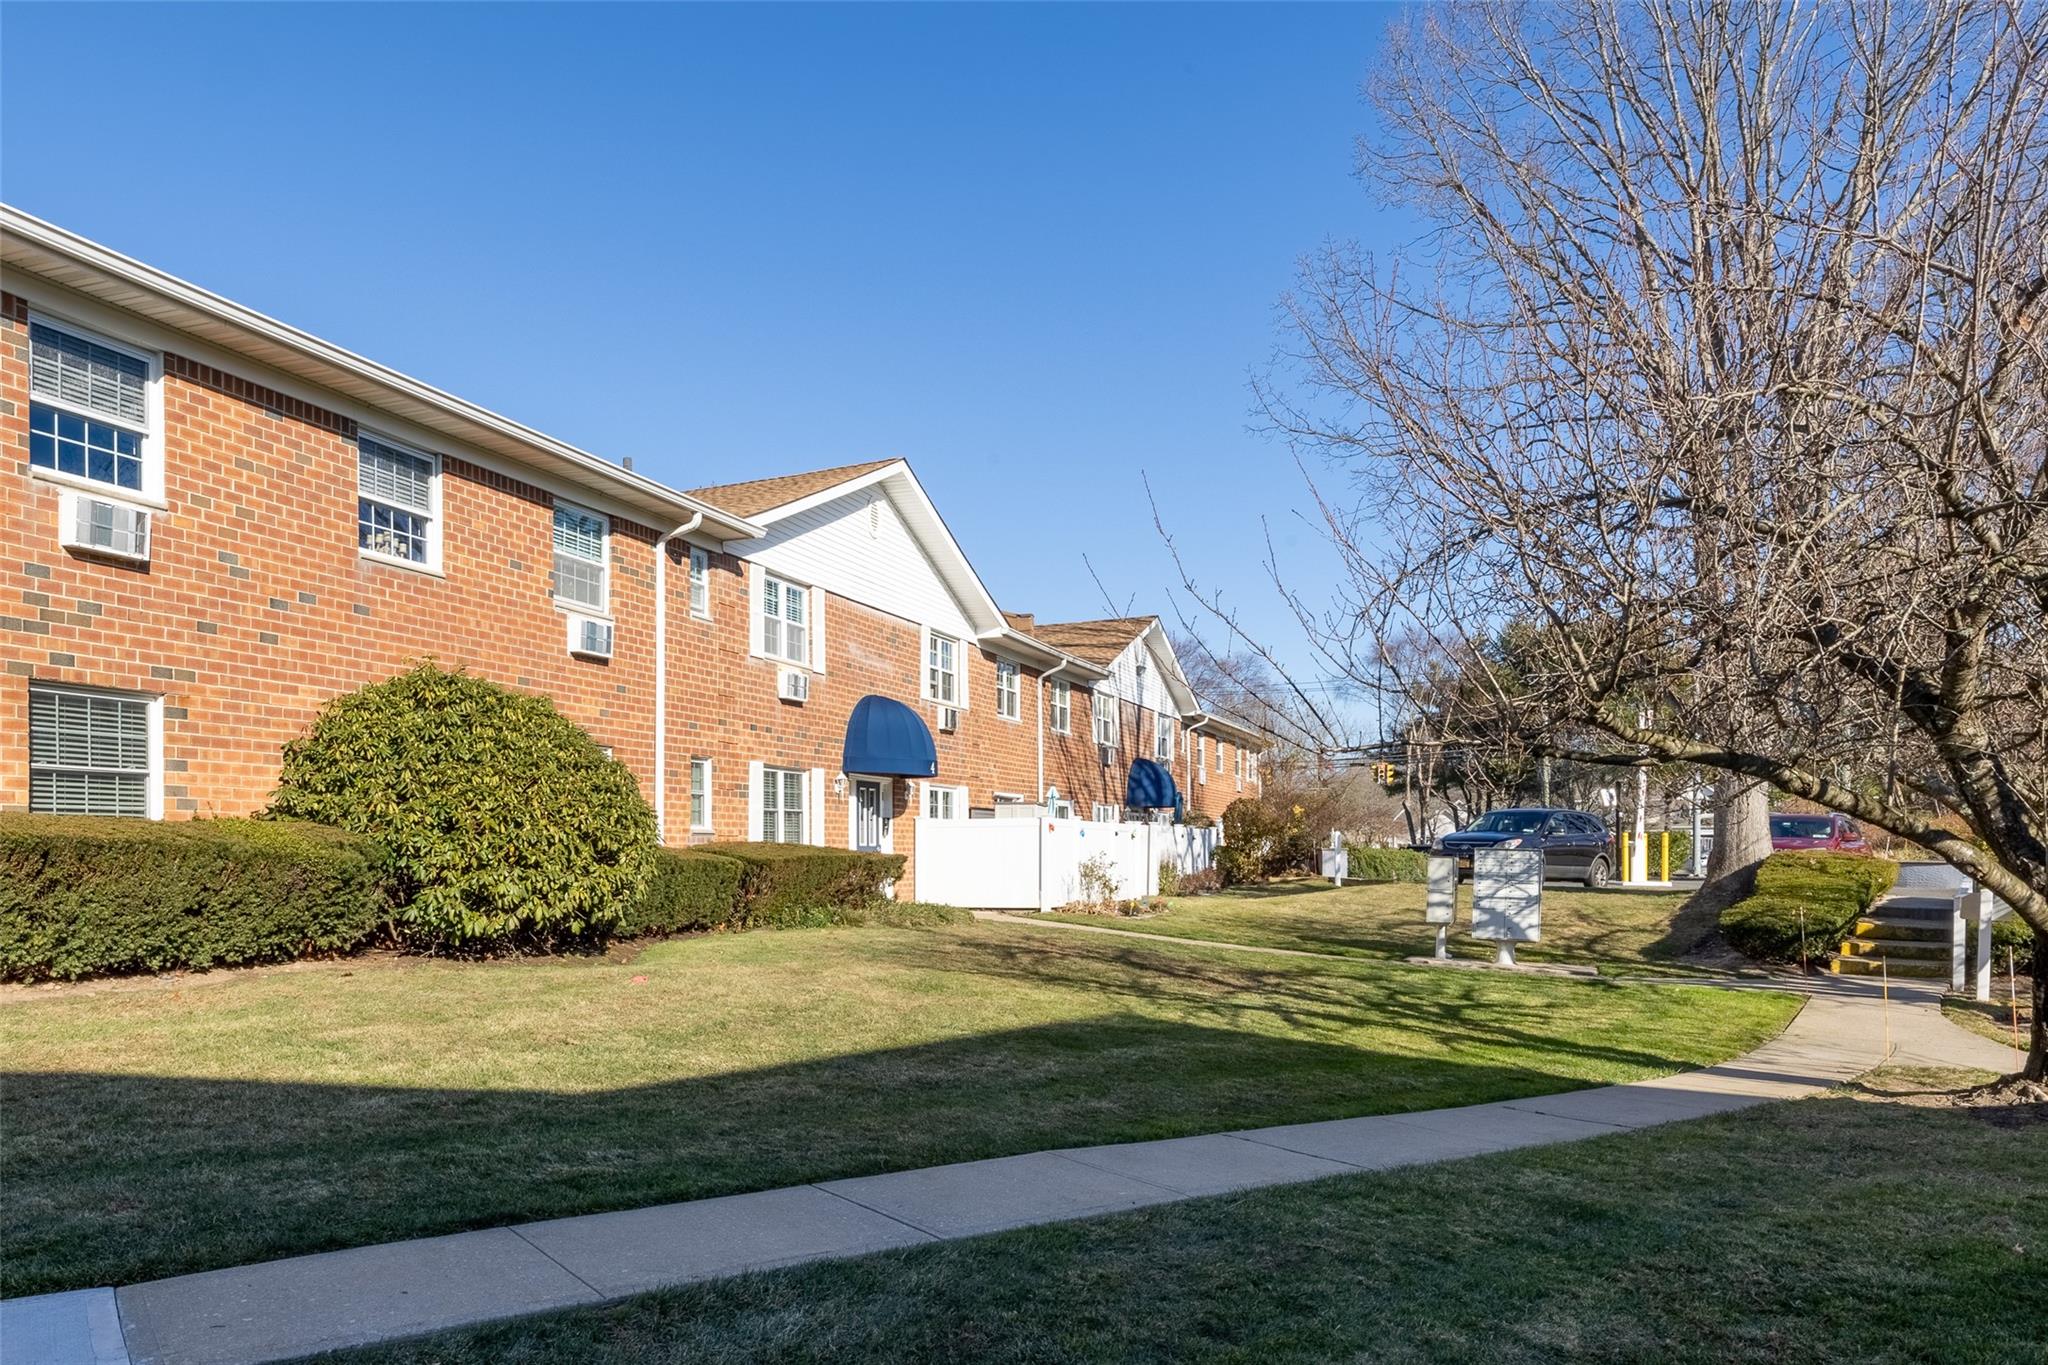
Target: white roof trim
(30, 244)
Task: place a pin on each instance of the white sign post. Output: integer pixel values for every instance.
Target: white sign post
(1336, 859)
(1507, 898)
(1440, 905)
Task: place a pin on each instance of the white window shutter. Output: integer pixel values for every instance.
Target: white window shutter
(817, 630)
(816, 813)
(754, 830)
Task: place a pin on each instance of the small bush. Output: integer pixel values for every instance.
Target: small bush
(888, 914)
(2015, 933)
(1369, 864)
(1831, 889)
(84, 896)
(1191, 883)
(791, 886)
(506, 823)
(1169, 878)
(687, 891)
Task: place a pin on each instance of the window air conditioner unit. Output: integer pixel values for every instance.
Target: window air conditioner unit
(793, 685)
(101, 527)
(590, 638)
(1107, 754)
(949, 719)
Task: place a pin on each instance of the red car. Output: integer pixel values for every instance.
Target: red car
(1836, 833)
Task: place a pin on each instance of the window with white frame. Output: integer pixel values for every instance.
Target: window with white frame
(700, 794)
(1060, 705)
(944, 803)
(782, 805)
(1008, 691)
(1107, 813)
(785, 630)
(90, 753)
(579, 577)
(395, 502)
(1251, 768)
(1202, 759)
(700, 581)
(1240, 765)
(1162, 731)
(942, 669)
(89, 408)
(1105, 720)
(1219, 755)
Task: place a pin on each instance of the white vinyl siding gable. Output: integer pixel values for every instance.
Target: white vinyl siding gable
(858, 548)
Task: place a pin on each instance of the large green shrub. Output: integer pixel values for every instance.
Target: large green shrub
(83, 895)
(1369, 864)
(687, 890)
(506, 823)
(1262, 841)
(1827, 892)
(787, 886)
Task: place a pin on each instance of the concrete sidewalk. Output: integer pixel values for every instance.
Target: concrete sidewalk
(278, 1310)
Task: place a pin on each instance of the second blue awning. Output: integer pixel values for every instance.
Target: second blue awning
(888, 739)
(1150, 787)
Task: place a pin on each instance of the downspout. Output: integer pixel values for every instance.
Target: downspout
(661, 673)
(1043, 904)
(1042, 679)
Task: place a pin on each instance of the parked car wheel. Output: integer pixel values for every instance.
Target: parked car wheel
(1596, 875)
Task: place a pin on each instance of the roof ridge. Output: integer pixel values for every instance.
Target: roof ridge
(765, 494)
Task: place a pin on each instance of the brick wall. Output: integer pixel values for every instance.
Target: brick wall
(255, 606)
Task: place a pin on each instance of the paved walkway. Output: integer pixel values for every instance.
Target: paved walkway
(287, 1308)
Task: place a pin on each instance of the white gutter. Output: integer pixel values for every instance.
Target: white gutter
(48, 240)
(661, 673)
(1056, 668)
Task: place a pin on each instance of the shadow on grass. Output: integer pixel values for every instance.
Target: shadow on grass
(120, 1178)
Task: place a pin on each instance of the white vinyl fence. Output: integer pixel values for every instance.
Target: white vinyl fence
(1036, 864)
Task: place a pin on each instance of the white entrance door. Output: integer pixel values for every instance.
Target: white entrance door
(870, 817)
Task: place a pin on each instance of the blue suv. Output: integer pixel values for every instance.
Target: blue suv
(1576, 846)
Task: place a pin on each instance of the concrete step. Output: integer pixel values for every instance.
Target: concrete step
(1896, 949)
(1923, 908)
(1870, 966)
(1901, 930)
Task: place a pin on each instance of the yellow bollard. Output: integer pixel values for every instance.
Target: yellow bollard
(1626, 865)
(1664, 858)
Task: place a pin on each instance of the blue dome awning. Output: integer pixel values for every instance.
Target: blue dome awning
(888, 739)
(1150, 787)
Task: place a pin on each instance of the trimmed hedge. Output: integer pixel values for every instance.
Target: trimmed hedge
(1833, 889)
(507, 824)
(688, 890)
(86, 896)
(1385, 864)
(790, 886)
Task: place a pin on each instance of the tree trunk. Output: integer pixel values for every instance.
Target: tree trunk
(2037, 1051)
(1742, 839)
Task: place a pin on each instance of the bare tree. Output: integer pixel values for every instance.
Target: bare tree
(1721, 372)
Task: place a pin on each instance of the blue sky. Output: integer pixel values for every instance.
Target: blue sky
(1035, 250)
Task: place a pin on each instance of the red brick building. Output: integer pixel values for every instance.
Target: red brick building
(214, 523)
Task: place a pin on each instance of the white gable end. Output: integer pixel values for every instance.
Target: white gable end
(858, 547)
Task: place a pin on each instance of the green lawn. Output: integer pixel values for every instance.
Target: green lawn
(1621, 932)
(1824, 1230)
(208, 1121)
